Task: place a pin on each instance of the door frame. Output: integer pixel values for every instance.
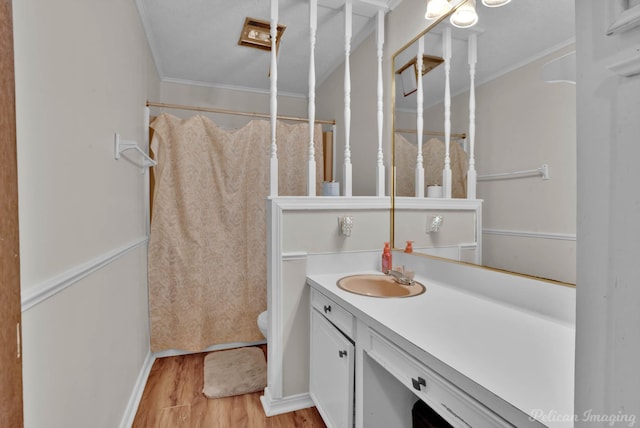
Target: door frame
(11, 412)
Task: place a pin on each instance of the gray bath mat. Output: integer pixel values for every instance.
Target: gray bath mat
(234, 372)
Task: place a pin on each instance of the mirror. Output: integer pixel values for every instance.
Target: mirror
(524, 119)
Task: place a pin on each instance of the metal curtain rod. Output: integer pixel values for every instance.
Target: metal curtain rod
(238, 113)
(432, 133)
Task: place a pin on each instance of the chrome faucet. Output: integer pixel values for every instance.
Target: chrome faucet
(401, 276)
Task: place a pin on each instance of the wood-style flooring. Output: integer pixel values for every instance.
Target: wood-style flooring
(173, 398)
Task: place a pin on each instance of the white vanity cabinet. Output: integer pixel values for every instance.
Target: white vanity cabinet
(332, 356)
(453, 404)
(410, 349)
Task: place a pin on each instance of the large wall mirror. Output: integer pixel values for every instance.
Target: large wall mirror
(525, 108)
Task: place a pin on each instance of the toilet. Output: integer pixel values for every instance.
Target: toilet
(263, 320)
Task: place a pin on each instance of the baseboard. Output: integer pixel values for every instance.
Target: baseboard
(278, 406)
(220, 347)
(136, 394)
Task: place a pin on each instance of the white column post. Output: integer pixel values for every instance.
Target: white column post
(380, 173)
(473, 59)
(419, 175)
(446, 173)
(313, 24)
(274, 100)
(347, 99)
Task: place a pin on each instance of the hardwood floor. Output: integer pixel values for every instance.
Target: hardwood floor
(173, 398)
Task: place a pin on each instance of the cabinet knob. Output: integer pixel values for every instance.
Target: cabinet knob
(327, 308)
(342, 354)
(418, 382)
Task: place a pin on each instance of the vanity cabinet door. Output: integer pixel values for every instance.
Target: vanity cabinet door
(331, 374)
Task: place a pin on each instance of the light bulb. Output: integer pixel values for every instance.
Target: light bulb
(495, 3)
(465, 16)
(437, 8)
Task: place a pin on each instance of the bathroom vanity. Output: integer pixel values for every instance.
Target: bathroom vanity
(476, 359)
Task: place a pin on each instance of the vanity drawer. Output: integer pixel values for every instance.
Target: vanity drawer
(340, 317)
(458, 408)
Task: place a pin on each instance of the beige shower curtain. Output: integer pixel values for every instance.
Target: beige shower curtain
(433, 154)
(207, 249)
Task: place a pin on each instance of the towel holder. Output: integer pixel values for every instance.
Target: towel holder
(121, 146)
(543, 171)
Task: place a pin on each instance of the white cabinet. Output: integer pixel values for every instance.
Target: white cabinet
(331, 373)
(453, 404)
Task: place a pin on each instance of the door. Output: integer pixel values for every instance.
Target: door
(10, 312)
(607, 371)
(331, 372)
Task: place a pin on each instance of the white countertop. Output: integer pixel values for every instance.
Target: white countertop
(524, 358)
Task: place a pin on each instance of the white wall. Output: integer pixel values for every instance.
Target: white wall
(83, 73)
(522, 123)
(228, 99)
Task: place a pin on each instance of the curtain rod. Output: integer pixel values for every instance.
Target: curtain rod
(432, 133)
(238, 113)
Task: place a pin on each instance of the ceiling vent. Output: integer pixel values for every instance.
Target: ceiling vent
(257, 34)
(409, 72)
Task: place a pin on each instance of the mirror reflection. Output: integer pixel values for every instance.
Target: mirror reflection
(507, 117)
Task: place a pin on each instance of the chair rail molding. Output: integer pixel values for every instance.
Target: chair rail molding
(50, 287)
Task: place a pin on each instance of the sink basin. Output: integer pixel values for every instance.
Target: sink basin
(379, 286)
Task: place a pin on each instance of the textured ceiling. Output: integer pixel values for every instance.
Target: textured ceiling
(508, 37)
(196, 41)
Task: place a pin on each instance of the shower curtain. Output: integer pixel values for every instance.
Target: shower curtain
(433, 152)
(207, 248)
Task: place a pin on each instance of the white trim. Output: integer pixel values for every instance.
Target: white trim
(136, 394)
(212, 348)
(230, 87)
(526, 61)
(294, 255)
(274, 297)
(301, 203)
(627, 67)
(48, 288)
(622, 17)
(292, 403)
(150, 37)
(457, 204)
(528, 234)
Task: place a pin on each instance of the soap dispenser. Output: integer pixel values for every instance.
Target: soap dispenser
(386, 258)
(409, 247)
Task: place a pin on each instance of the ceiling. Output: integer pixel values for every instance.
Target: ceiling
(196, 41)
(508, 37)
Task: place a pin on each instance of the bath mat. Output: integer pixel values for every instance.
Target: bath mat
(234, 372)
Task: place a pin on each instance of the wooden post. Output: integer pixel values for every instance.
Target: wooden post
(313, 24)
(446, 173)
(419, 176)
(274, 100)
(380, 172)
(347, 99)
(473, 59)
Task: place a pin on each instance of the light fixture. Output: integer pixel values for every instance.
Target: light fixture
(465, 16)
(257, 34)
(437, 8)
(495, 3)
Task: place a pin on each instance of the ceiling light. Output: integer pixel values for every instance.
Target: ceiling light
(257, 34)
(495, 3)
(437, 8)
(465, 16)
